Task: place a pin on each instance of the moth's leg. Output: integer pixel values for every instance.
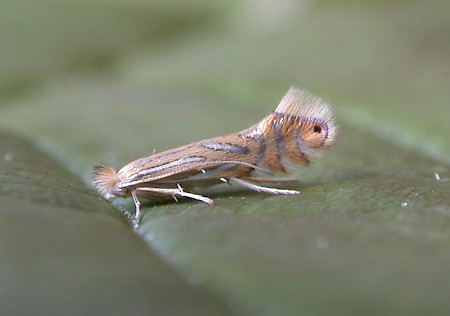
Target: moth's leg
(177, 192)
(259, 188)
(271, 180)
(198, 197)
(137, 204)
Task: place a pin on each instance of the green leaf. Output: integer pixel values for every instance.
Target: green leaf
(368, 235)
(66, 251)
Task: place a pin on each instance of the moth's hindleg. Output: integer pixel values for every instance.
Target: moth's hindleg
(259, 188)
(197, 197)
(271, 180)
(177, 192)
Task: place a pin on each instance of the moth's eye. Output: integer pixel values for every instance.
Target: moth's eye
(317, 129)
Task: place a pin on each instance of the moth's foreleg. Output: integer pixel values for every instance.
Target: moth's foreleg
(259, 188)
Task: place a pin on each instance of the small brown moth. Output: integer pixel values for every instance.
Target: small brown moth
(300, 129)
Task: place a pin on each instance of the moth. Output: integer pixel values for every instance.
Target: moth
(296, 132)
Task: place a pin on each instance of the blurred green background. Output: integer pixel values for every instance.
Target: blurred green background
(83, 82)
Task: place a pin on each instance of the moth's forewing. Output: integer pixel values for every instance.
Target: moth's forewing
(215, 158)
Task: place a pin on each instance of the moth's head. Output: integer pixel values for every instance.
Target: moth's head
(306, 123)
(106, 181)
(315, 135)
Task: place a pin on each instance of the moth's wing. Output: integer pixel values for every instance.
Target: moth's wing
(195, 172)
